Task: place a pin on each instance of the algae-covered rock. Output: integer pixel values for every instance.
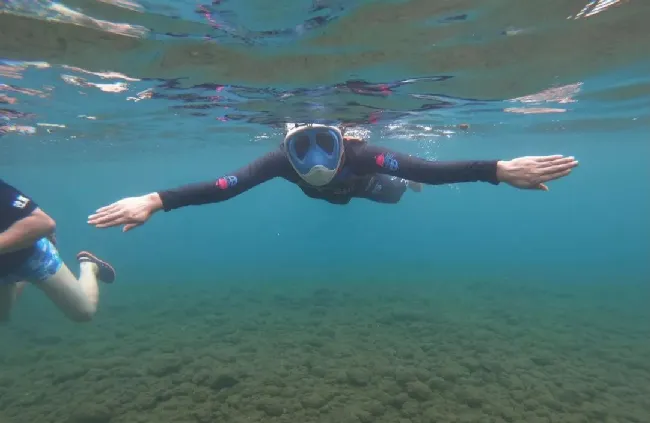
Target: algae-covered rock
(289, 367)
(375, 408)
(399, 400)
(438, 384)
(91, 414)
(433, 415)
(164, 365)
(215, 380)
(471, 396)
(69, 373)
(359, 414)
(318, 371)
(313, 400)
(451, 372)
(410, 409)
(271, 407)
(358, 377)
(418, 390)
(223, 381)
(405, 375)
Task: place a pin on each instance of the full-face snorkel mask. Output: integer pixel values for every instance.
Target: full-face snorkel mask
(315, 152)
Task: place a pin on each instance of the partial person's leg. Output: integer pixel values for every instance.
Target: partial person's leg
(19, 289)
(77, 299)
(9, 292)
(7, 295)
(414, 186)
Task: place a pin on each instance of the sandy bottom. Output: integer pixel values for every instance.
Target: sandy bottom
(461, 352)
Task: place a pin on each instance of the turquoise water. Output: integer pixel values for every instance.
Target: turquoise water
(463, 303)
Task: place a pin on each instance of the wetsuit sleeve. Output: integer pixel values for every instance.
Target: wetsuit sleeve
(14, 205)
(269, 166)
(374, 159)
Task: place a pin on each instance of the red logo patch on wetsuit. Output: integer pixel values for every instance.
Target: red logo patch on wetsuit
(387, 161)
(227, 182)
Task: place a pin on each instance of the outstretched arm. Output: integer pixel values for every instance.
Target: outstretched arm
(261, 170)
(134, 211)
(523, 172)
(375, 159)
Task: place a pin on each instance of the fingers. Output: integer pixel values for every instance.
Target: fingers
(108, 223)
(102, 217)
(107, 209)
(553, 172)
(556, 168)
(556, 175)
(107, 219)
(548, 158)
(558, 162)
(104, 214)
(130, 226)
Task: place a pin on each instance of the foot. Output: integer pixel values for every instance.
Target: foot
(105, 271)
(415, 186)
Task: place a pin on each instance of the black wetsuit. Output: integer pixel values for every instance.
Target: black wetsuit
(14, 206)
(369, 171)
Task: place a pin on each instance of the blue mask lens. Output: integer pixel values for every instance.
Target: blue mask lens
(301, 144)
(315, 147)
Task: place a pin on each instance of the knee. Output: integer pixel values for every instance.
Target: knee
(83, 314)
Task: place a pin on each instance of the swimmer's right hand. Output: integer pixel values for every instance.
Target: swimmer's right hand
(130, 212)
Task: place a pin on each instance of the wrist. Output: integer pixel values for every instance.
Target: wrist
(154, 201)
(502, 166)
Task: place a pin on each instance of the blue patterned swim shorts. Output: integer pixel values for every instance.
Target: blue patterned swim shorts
(41, 265)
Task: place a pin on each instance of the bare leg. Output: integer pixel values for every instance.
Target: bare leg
(77, 299)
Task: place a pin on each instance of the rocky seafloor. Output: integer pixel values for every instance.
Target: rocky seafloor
(446, 352)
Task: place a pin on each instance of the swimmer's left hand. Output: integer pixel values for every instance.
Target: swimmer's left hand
(130, 212)
(531, 172)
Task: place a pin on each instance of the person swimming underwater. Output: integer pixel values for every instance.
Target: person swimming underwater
(326, 165)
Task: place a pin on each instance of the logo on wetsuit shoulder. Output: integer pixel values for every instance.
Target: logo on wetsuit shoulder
(387, 161)
(20, 202)
(227, 182)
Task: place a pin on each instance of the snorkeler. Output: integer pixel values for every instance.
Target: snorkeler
(326, 165)
(28, 254)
